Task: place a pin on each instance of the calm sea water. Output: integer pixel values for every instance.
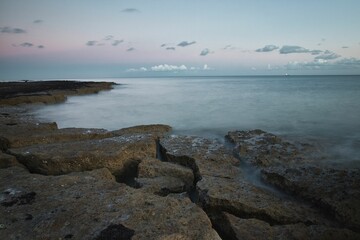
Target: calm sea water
(320, 109)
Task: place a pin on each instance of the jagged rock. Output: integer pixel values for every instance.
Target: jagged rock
(251, 229)
(242, 198)
(7, 160)
(203, 156)
(336, 191)
(90, 205)
(262, 149)
(120, 155)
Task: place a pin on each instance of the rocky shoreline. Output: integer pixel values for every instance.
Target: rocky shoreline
(145, 183)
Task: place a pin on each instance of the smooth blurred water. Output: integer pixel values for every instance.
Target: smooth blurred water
(322, 109)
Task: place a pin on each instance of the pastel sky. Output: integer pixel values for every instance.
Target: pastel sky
(120, 38)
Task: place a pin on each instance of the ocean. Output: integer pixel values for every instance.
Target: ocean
(321, 110)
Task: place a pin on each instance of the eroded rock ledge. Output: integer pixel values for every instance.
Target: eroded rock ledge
(14, 93)
(96, 184)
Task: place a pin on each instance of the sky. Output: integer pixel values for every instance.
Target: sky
(47, 39)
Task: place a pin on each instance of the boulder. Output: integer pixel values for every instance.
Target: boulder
(336, 191)
(252, 229)
(91, 205)
(261, 149)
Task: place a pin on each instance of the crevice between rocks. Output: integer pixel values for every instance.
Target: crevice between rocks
(184, 161)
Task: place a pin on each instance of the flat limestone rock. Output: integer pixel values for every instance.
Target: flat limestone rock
(23, 136)
(263, 149)
(252, 229)
(91, 205)
(204, 156)
(118, 154)
(336, 191)
(244, 199)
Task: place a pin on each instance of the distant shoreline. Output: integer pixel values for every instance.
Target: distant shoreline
(27, 92)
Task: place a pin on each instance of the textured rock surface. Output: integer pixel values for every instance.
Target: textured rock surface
(260, 148)
(118, 154)
(244, 199)
(204, 156)
(91, 205)
(336, 191)
(252, 229)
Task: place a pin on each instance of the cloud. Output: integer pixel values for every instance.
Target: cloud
(26, 44)
(327, 55)
(11, 30)
(163, 45)
(91, 43)
(227, 47)
(186, 43)
(108, 37)
(206, 67)
(170, 48)
(37, 21)
(293, 49)
(130, 49)
(168, 68)
(322, 64)
(267, 48)
(142, 69)
(205, 52)
(130, 10)
(117, 42)
(315, 52)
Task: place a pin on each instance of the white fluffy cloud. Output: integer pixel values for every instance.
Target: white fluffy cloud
(169, 68)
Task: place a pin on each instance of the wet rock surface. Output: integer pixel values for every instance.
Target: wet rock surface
(262, 149)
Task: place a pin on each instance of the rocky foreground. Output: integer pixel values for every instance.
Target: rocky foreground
(145, 183)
